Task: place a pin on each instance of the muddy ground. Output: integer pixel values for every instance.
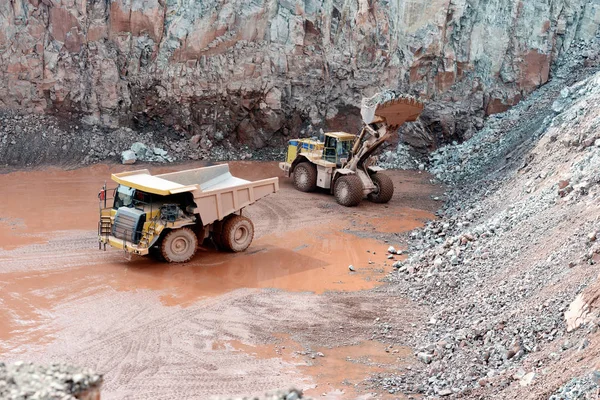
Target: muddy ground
(286, 312)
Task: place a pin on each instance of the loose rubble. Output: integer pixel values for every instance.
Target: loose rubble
(139, 151)
(32, 139)
(23, 380)
(290, 394)
(580, 388)
(512, 249)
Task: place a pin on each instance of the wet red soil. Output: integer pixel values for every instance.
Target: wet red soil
(338, 371)
(304, 243)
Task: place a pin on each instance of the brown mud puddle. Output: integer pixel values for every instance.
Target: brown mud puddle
(311, 260)
(304, 245)
(402, 219)
(337, 373)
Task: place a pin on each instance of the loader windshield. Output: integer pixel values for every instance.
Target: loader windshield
(337, 149)
(343, 148)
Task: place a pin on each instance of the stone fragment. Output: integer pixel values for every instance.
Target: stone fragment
(128, 157)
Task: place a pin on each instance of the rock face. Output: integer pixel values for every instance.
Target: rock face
(255, 72)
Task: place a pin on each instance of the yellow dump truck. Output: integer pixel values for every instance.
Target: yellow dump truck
(169, 215)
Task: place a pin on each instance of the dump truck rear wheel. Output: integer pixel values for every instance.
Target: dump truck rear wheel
(179, 245)
(348, 190)
(238, 232)
(384, 188)
(305, 177)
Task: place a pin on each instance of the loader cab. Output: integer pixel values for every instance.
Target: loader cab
(337, 147)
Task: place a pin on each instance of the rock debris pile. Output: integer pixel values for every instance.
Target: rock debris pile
(21, 380)
(515, 244)
(290, 394)
(32, 139)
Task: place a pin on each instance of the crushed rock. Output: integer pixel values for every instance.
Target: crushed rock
(510, 251)
(23, 380)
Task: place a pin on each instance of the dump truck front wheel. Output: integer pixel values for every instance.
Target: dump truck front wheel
(179, 245)
(384, 188)
(305, 177)
(238, 232)
(348, 190)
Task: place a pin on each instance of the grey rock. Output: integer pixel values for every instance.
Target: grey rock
(128, 157)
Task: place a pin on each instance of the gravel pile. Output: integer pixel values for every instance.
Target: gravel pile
(290, 394)
(508, 136)
(20, 380)
(32, 139)
(402, 158)
(513, 247)
(581, 388)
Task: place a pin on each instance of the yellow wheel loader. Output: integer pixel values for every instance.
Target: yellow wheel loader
(342, 162)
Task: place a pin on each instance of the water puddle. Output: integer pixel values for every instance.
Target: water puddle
(397, 220)
(336, 373)
(314, 260)
(306, 248)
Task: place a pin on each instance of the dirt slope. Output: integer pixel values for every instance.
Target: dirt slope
(516, 245)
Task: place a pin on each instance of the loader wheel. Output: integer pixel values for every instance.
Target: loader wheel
(179, 245)
(238, 232)
(305, 177)
(348, 190)
(384, 188)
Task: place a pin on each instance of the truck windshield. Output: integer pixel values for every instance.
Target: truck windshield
(124, 196)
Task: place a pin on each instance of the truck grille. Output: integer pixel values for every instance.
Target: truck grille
(129, 223)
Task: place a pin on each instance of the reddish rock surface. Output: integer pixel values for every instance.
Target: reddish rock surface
(191, 64)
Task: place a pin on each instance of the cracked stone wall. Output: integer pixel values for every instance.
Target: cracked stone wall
(257, 71)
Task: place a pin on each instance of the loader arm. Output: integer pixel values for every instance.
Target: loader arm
(382, 114)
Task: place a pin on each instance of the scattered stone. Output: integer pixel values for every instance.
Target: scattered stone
(527, 379)
(21, 380)
(128, 157)
(425, 357)
(351, 268)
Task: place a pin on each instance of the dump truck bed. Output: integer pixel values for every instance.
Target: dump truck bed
(216, 192)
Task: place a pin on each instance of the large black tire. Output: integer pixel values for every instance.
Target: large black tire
(384, 188)
(348, 190)
(305, 177)
(179, 245)
(238, 232)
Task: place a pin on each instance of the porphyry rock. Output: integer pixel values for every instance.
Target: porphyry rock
(259, 70)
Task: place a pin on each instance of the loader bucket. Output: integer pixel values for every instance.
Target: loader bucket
(391, 108)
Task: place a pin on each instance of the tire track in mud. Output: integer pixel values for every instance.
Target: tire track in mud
(149, 350)
(129, 352)
(169, 352)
